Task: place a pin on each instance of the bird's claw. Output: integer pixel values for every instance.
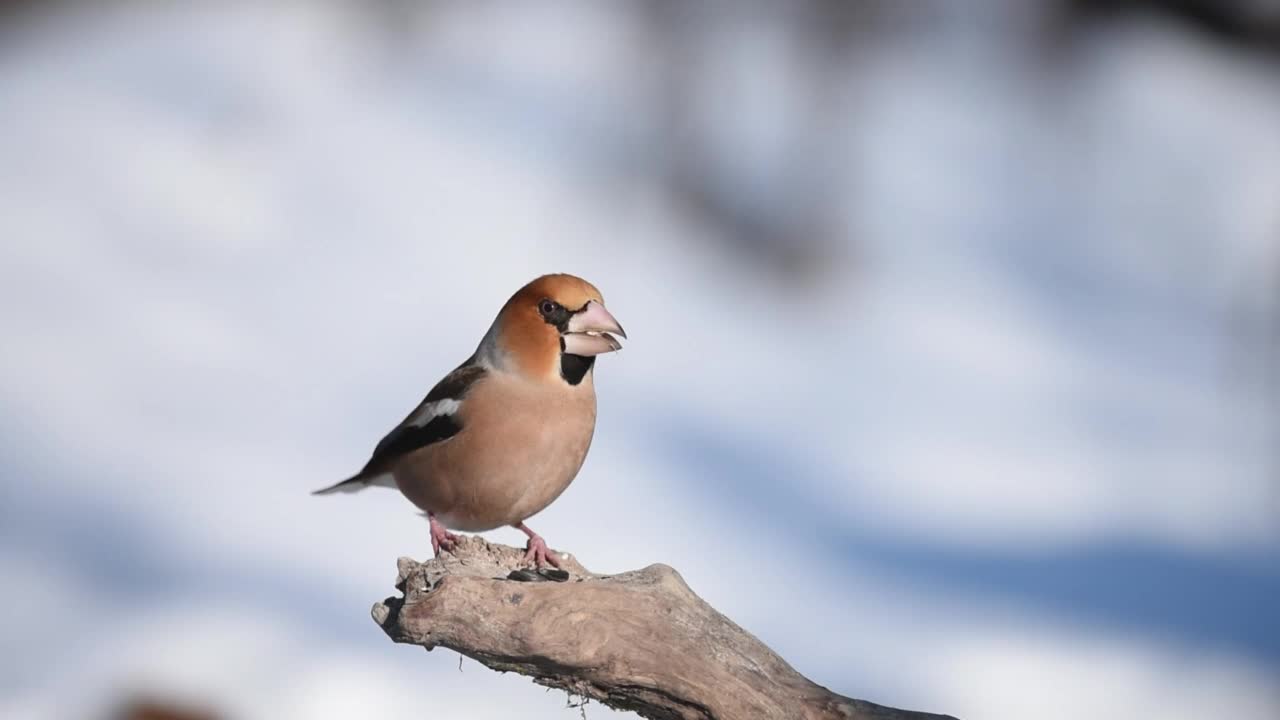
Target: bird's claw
(441, 538)
(537, 552)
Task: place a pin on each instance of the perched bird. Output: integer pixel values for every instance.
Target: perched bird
(500, 437)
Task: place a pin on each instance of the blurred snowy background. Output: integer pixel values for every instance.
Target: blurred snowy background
(955, 370)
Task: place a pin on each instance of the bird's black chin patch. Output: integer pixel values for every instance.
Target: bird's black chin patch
(575, 367)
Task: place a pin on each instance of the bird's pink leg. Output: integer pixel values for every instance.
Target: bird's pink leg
(536, 550)
(440, 537)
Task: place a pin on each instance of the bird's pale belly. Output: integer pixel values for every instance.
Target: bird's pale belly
(508, 470)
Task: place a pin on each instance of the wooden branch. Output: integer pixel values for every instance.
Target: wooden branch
(640, 640)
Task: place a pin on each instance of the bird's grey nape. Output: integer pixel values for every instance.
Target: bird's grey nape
(489, 353)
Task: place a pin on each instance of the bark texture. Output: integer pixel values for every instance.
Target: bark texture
(639, 640)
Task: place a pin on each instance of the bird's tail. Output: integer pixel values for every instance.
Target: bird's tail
(357, 483)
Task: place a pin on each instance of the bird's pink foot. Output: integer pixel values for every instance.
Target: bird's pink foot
(536, 550)
(440, 537)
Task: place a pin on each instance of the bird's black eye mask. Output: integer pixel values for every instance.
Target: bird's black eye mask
(556, 314)
(572, 367)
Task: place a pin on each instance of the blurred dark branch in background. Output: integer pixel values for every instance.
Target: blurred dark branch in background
(773, 196)
(640, 640)
(155, 709)
(1247, 23)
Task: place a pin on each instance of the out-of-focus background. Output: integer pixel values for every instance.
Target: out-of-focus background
(955, 359)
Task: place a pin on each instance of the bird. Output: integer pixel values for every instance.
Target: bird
(500, 437)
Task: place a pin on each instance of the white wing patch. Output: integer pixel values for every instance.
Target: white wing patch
(427, 411)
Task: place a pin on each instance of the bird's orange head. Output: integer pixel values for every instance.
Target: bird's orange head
(554, 327)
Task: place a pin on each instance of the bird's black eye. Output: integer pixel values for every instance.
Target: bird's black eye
(547, 307)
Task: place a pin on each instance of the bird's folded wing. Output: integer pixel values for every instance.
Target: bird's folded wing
(434, 420)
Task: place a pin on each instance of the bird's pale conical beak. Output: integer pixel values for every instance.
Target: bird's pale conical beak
(589, 331)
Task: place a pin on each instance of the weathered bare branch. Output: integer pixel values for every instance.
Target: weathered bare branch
(640, 640)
